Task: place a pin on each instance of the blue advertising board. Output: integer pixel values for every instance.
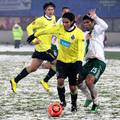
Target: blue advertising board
(105, 8)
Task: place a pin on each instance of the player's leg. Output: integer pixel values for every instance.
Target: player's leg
(82, 84)
(61, 91)
(83, 87)
(90, 84)
(74, 94)
(27, 70)
(50, 57)
(61, 75)
(73, 70)
(49, 75)
(98, 68)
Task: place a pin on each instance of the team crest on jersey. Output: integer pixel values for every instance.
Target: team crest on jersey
(72, 37)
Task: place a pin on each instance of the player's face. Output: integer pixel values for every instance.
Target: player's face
(66, 23)
(88, 24)
(65, 11)
(49, 11)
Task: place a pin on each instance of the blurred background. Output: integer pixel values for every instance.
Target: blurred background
(25, 11)
(31, 101)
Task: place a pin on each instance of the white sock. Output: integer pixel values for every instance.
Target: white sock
(83, 87)
(95, 101)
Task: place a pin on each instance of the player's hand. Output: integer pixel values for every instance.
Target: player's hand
(36, 41)
(30, 38)
(77, 20)
(92, 13)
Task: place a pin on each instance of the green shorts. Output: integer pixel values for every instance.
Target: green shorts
(94, 67)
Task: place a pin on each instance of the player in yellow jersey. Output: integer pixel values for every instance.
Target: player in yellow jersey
(70, 55)
(42, 44)
(48, 65)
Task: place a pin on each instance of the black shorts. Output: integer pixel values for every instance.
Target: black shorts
(47, 55)
(69, 70)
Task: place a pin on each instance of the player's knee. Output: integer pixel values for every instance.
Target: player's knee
(60, 82)
(31, 69)
(90, 80)
(34, 69)
(73, 89)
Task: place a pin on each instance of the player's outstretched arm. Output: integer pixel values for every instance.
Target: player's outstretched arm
(98, 20)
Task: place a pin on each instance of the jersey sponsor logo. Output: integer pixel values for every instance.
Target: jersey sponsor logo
(64, 43)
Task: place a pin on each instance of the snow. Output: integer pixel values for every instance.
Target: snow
(113, 49)
(5, 48)
(31, 101)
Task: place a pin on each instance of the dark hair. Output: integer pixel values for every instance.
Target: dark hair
(65, 8)
(69, 16)
(48, 4)
(87, 17)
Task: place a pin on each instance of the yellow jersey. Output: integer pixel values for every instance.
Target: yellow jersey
(70, 43)
(42, 23)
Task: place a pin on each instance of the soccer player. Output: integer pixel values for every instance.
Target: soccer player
(42, 44)
(95, 59)
(70, 56)
(54, 46)
(64, 10)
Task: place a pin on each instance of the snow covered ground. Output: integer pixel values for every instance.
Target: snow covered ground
(31, 101)
(4, 48)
